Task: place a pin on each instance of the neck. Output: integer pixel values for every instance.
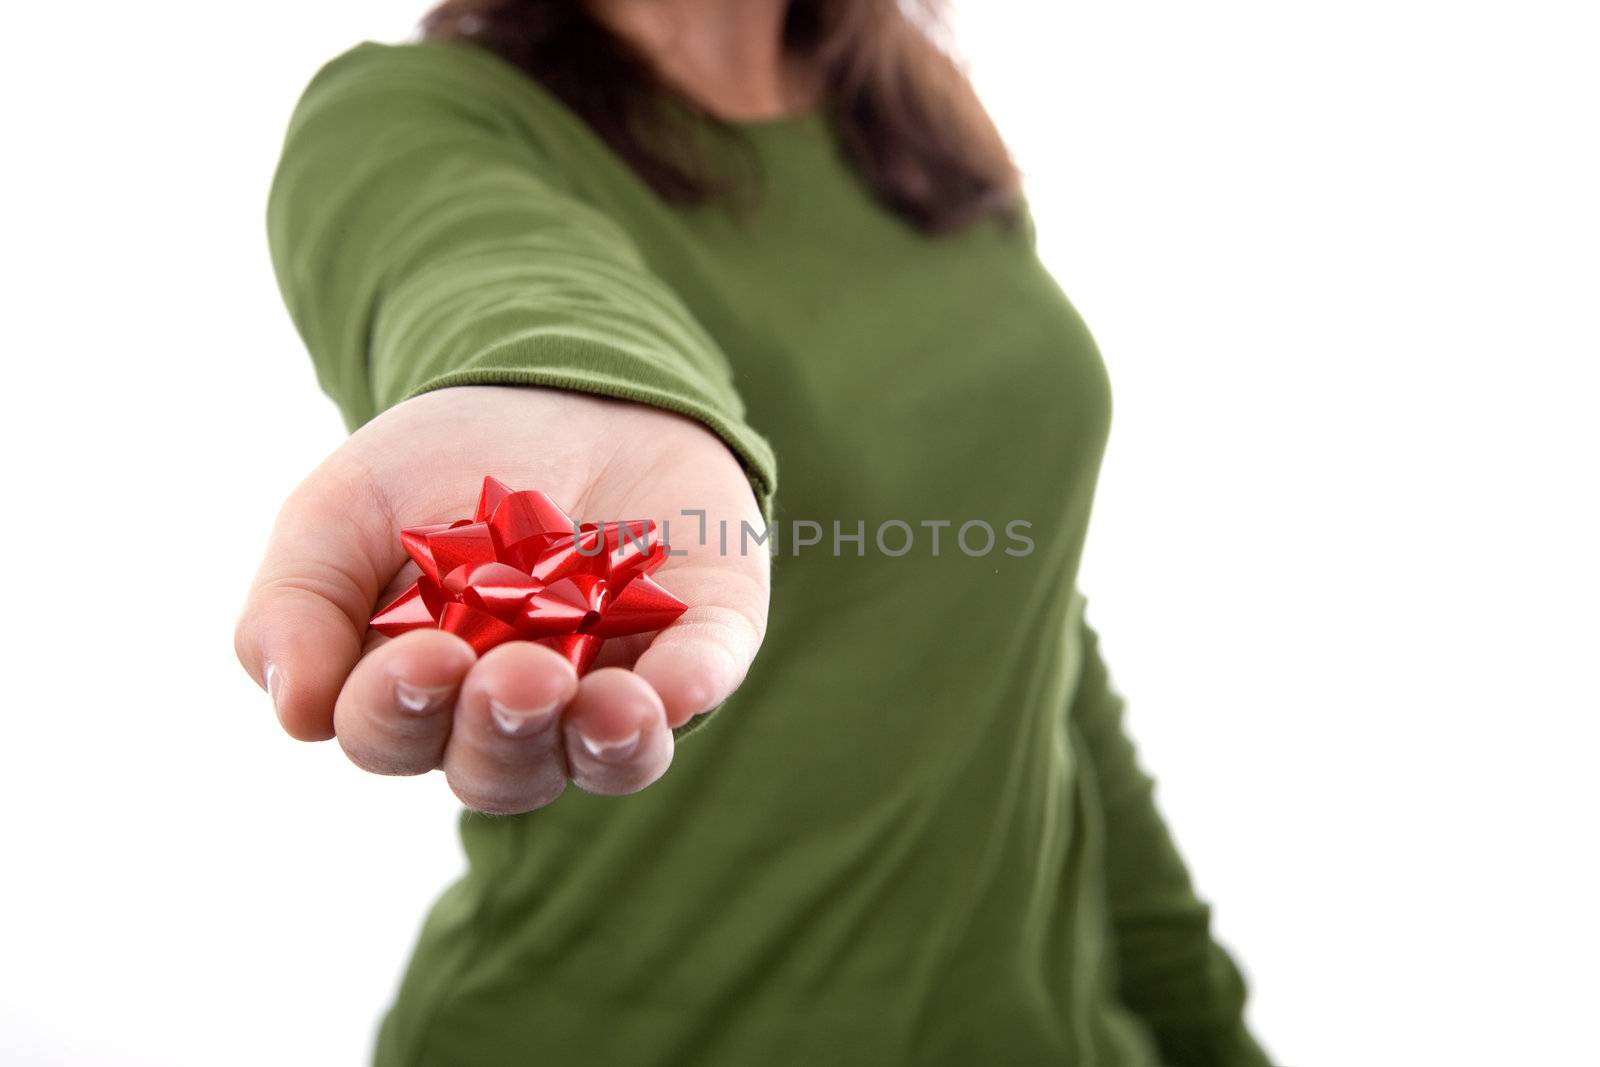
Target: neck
(727, 56)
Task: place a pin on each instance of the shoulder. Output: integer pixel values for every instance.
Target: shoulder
(423, 64)
(439, 80)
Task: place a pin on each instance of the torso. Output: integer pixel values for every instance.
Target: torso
(883, 837)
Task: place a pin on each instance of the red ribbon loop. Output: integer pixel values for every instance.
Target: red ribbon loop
(521, 569)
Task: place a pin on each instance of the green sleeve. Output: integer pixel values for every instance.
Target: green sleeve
(1171, 973)
(424, 235)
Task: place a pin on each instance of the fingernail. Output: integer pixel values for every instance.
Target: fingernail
(419, 699)
(610, 751)
(274, 683)
(520, 722)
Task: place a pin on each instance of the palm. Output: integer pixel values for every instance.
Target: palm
(336, 554)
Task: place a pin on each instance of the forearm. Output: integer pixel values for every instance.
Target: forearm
(422, 240)
(1171, 972)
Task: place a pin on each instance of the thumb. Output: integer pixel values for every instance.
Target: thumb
(331, 553)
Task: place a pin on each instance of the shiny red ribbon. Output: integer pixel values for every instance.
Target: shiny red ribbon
(521, 570)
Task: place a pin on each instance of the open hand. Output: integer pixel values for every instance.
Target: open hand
(508, 728)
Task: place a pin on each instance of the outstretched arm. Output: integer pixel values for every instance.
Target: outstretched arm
(472, 315)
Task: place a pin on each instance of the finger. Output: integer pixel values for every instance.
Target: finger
(331, 551)
(505, 755)
(698, 661)
(617, 739)
(394, 714)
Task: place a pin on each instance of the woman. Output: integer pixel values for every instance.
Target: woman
(642, 254)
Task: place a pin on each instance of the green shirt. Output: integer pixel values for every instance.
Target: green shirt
(918, 833)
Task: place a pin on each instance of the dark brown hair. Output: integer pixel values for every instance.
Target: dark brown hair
(902, 108)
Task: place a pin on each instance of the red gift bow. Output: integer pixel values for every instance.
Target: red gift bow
(521, 570)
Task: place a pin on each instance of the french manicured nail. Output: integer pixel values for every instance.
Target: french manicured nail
(421, 699)
(520, 722)
(274, 683)
(610, 751)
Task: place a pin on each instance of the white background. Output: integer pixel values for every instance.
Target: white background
(1342, 262)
